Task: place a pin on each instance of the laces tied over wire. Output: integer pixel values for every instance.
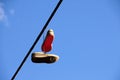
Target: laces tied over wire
(37, 39)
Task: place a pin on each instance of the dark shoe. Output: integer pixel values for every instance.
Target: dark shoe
(40, 57)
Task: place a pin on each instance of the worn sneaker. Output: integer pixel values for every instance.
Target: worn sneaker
(40, 57)
(47, 44)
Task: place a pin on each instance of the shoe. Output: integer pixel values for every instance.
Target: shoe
(40, 57)
(47, 44)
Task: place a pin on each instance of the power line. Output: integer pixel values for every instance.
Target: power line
(37, 39)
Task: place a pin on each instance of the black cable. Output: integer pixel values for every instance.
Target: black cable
(37, 39)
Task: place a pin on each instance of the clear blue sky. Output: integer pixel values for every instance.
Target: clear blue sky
(87, 39)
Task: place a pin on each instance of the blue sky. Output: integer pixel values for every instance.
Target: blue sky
(87, 39)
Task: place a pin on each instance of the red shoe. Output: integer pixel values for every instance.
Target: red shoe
(47, 44)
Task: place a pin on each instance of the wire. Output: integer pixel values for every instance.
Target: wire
(37, 39)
